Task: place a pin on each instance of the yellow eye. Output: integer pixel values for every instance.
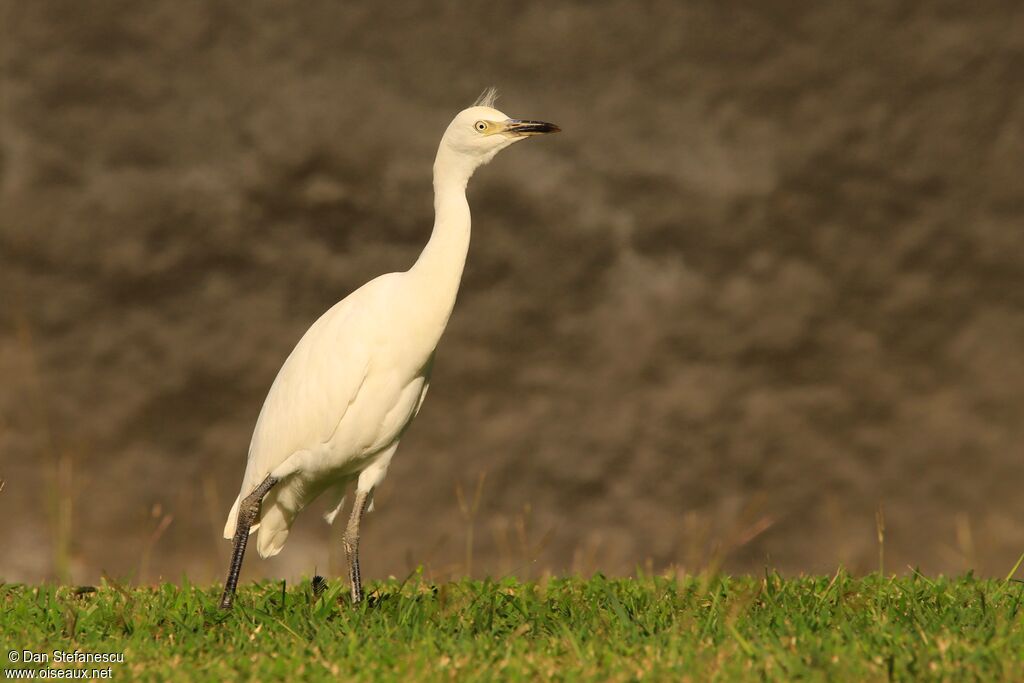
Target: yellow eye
(480, 126)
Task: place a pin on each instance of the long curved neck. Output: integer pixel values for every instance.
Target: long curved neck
(439, 267)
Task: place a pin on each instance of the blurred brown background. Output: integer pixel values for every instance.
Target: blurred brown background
(768, 280)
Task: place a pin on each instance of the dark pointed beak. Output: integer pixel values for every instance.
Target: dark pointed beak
(521, 128)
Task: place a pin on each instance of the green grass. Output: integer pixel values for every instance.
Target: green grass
(724, 628)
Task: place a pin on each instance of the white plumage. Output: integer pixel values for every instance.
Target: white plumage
(327, 417)
(354, 382)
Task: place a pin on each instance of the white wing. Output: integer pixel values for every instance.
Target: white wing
(315, 387)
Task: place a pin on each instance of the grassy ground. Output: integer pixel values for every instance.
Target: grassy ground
(743, 628)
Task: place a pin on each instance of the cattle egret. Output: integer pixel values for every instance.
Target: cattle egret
(350, 387)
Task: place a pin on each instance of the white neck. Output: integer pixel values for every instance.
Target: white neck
(439, 267)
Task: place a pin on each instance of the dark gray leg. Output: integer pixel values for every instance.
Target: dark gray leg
(248, 510)
(351, 542)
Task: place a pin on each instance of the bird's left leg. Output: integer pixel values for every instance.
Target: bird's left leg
(369, 478)
(248, 511)
(351, 542)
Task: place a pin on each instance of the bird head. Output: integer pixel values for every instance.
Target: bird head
(478, 133)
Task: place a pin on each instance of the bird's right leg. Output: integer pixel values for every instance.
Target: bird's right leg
(351, 542)
(248, 511)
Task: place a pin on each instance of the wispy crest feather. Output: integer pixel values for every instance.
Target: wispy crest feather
(487, 98)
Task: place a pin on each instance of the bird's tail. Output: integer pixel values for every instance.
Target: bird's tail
(229, 526)
(275, 523)
(277, 512)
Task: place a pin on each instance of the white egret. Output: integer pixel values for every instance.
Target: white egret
(350, 387)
